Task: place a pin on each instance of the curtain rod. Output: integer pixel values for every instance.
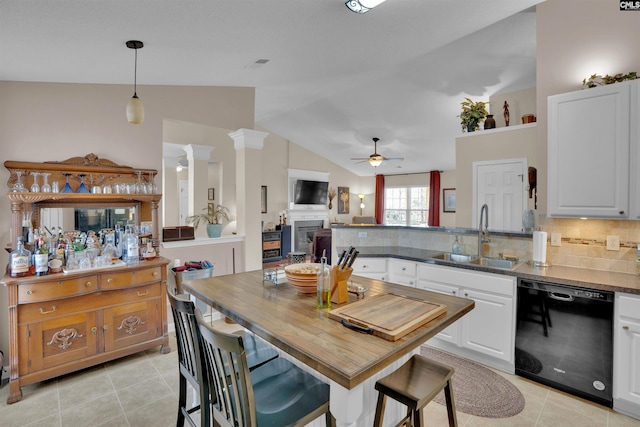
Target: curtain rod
(409, 173)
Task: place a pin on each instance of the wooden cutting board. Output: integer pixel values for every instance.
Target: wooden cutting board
(388, 316)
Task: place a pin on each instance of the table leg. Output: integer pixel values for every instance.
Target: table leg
(346, 405)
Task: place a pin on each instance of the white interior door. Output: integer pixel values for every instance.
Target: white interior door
(501, 185)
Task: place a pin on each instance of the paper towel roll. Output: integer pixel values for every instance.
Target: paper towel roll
(540, 246)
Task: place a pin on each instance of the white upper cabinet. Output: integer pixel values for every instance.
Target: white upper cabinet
(589, 149)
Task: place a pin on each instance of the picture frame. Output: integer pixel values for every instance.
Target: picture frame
(448, 199)
(343, 200)
(263, 199)
(211, 194)
(210, 209)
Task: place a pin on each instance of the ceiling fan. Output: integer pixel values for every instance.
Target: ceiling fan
(376, 159)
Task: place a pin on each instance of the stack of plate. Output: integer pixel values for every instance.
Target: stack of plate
(303, 276)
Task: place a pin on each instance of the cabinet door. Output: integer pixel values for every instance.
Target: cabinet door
(488, 328)
(59, 340)
(627, 353)
(402, 272)
(588, 152)
(131, 323)
(450, 333)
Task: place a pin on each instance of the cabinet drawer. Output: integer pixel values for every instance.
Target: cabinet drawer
(38, 311)
(405, 268)
(629, 306)
(127, 278)
(370, 265)
(56, 289)
(271, 245)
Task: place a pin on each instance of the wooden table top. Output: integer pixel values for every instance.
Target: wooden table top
(290, 321)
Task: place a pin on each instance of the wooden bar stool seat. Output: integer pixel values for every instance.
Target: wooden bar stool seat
(415, 384)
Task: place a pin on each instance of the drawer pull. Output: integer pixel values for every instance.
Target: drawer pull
(626, 328)
(404, 268)
(105, 328)
(94, 330)
(42, 311)
(141, 294)
(110, 280)
(365, 266)
(155, 274)
(88, 284)
(29, 292)
(60, 282)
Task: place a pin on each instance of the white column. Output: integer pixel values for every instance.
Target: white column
(198, 157)
(248, 144)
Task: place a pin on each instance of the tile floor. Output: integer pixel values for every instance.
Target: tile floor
(141, 390)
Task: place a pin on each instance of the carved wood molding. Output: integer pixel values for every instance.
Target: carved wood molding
(129, 324)
(64, 338)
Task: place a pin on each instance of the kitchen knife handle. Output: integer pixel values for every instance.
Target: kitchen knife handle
(346, 259)
(353, 258)
(344, 253)
(355, 327)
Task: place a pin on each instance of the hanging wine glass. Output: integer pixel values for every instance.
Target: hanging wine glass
(35, 188)
(140, 189)
(67, 188)
(152, 184)
(18, 187)
(83, 188)
(46, 188)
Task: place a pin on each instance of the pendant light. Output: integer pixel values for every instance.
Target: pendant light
(135, 109)
(362, 6)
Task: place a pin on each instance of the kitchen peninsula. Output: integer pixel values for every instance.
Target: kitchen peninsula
(351, 361)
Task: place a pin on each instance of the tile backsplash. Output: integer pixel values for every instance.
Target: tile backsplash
(583, 242)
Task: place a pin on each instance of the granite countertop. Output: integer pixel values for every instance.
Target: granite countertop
(572, 276)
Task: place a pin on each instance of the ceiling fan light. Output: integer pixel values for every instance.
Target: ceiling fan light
(135, 110)
(362, 6)
(375, 162)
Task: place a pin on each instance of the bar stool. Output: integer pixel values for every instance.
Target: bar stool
(415, 384)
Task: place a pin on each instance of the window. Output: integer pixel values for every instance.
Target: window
(406, 206)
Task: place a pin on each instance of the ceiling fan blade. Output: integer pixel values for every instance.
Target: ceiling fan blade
(394, 158)
(359, 158)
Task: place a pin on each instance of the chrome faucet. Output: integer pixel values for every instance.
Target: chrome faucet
(483, 234)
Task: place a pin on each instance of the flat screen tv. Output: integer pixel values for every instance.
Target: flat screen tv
(310, 192)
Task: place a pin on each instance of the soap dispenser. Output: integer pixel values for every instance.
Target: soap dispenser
(456, 249)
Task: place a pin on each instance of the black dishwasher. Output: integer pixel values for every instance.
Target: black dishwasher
(564, 338)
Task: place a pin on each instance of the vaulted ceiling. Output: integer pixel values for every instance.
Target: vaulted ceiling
(334, 79)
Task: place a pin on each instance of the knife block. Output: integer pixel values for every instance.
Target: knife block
(339, 278)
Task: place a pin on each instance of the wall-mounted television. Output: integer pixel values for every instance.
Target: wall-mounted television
(308, 192)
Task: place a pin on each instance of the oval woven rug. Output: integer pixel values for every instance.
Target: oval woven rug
(478, 390)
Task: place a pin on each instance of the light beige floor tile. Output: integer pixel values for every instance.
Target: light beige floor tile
(36, 405)
(160, 413)
(127, 374)
(81, 390)
(619, 420)
(91, 412)
(595, 412)
(143, 393)
(435, 414)
(119, 421)
(556, 414)
(50, 421)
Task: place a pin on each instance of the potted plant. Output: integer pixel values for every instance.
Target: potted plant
(472, 114)
(212, 216)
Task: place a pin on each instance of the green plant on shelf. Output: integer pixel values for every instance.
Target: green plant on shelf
(472, 114)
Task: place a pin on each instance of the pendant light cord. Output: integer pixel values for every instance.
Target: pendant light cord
(135, 76)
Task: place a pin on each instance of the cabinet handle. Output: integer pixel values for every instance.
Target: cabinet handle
(141, 294)
(110, 280)
(453, 292)
(60, 282)
(94, 330)
(29, 292)
(105, 328)
(466, 295)
(88, 284)
(155, 274)
(411, 282)
(626, 328)
(42, 311)
(404, 268)
(364, 266)
(621, 212)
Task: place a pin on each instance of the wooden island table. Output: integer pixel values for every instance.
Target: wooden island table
(350, 361)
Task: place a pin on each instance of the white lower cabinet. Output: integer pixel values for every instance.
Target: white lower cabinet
(372, 268)
(626, 362)
(487, 333)
(402, 272)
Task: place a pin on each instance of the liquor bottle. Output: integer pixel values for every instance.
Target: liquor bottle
(19, 260)
(61, 249)
(149, 252)
(132, 247)
(324, 283)
(40, 255)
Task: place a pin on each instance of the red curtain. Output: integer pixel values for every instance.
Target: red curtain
(434, 199)
(379, 208)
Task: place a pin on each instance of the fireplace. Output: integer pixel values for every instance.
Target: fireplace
(303, 234)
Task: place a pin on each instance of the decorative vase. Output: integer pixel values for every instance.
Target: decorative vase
(489, 122)
(214, 230)
(330, 205)
(470, 127)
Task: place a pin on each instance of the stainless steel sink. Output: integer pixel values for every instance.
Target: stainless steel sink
(495, 263)
(454, 257)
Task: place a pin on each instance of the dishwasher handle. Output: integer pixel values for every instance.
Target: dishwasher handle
(561, 297)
